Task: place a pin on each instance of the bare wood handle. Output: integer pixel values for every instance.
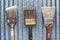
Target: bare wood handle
(48, 31)
(12, 34)
(48, 34)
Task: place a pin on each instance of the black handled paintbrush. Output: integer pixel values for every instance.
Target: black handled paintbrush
(29, 20)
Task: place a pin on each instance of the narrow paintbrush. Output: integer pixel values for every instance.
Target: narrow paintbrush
(30, 19)
(48, 14)
(11, 18)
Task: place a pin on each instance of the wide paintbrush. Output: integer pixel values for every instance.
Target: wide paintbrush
(11, 19)
(30, 20)
(48, 15)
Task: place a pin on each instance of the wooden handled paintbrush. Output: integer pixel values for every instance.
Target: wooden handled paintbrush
(11, 18)
(48, 14)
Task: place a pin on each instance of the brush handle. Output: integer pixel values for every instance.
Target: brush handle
(30, 33)
(48, 31)
(48, 34)
(12, 24)
(12, 34)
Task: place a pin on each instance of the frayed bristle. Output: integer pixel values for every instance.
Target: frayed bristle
(48, 12)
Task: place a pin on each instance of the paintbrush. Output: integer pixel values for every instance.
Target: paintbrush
(30, 20)
(48, 15)
(11, 19)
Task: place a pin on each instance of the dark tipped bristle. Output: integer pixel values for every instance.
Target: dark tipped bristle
(30, 14)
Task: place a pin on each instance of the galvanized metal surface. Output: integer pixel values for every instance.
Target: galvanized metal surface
(21, 31)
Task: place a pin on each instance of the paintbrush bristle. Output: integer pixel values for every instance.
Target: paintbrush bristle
(30, 17)
(11, 12)
(12, 7)
(48, 12)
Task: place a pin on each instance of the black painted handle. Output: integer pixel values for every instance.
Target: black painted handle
(30, 33)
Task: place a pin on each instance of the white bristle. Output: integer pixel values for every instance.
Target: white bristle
(12, 7)
(48, 12)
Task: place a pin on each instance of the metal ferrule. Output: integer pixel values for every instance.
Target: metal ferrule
(48, 20)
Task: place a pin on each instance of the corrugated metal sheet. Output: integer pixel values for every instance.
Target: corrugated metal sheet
(21, 31)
